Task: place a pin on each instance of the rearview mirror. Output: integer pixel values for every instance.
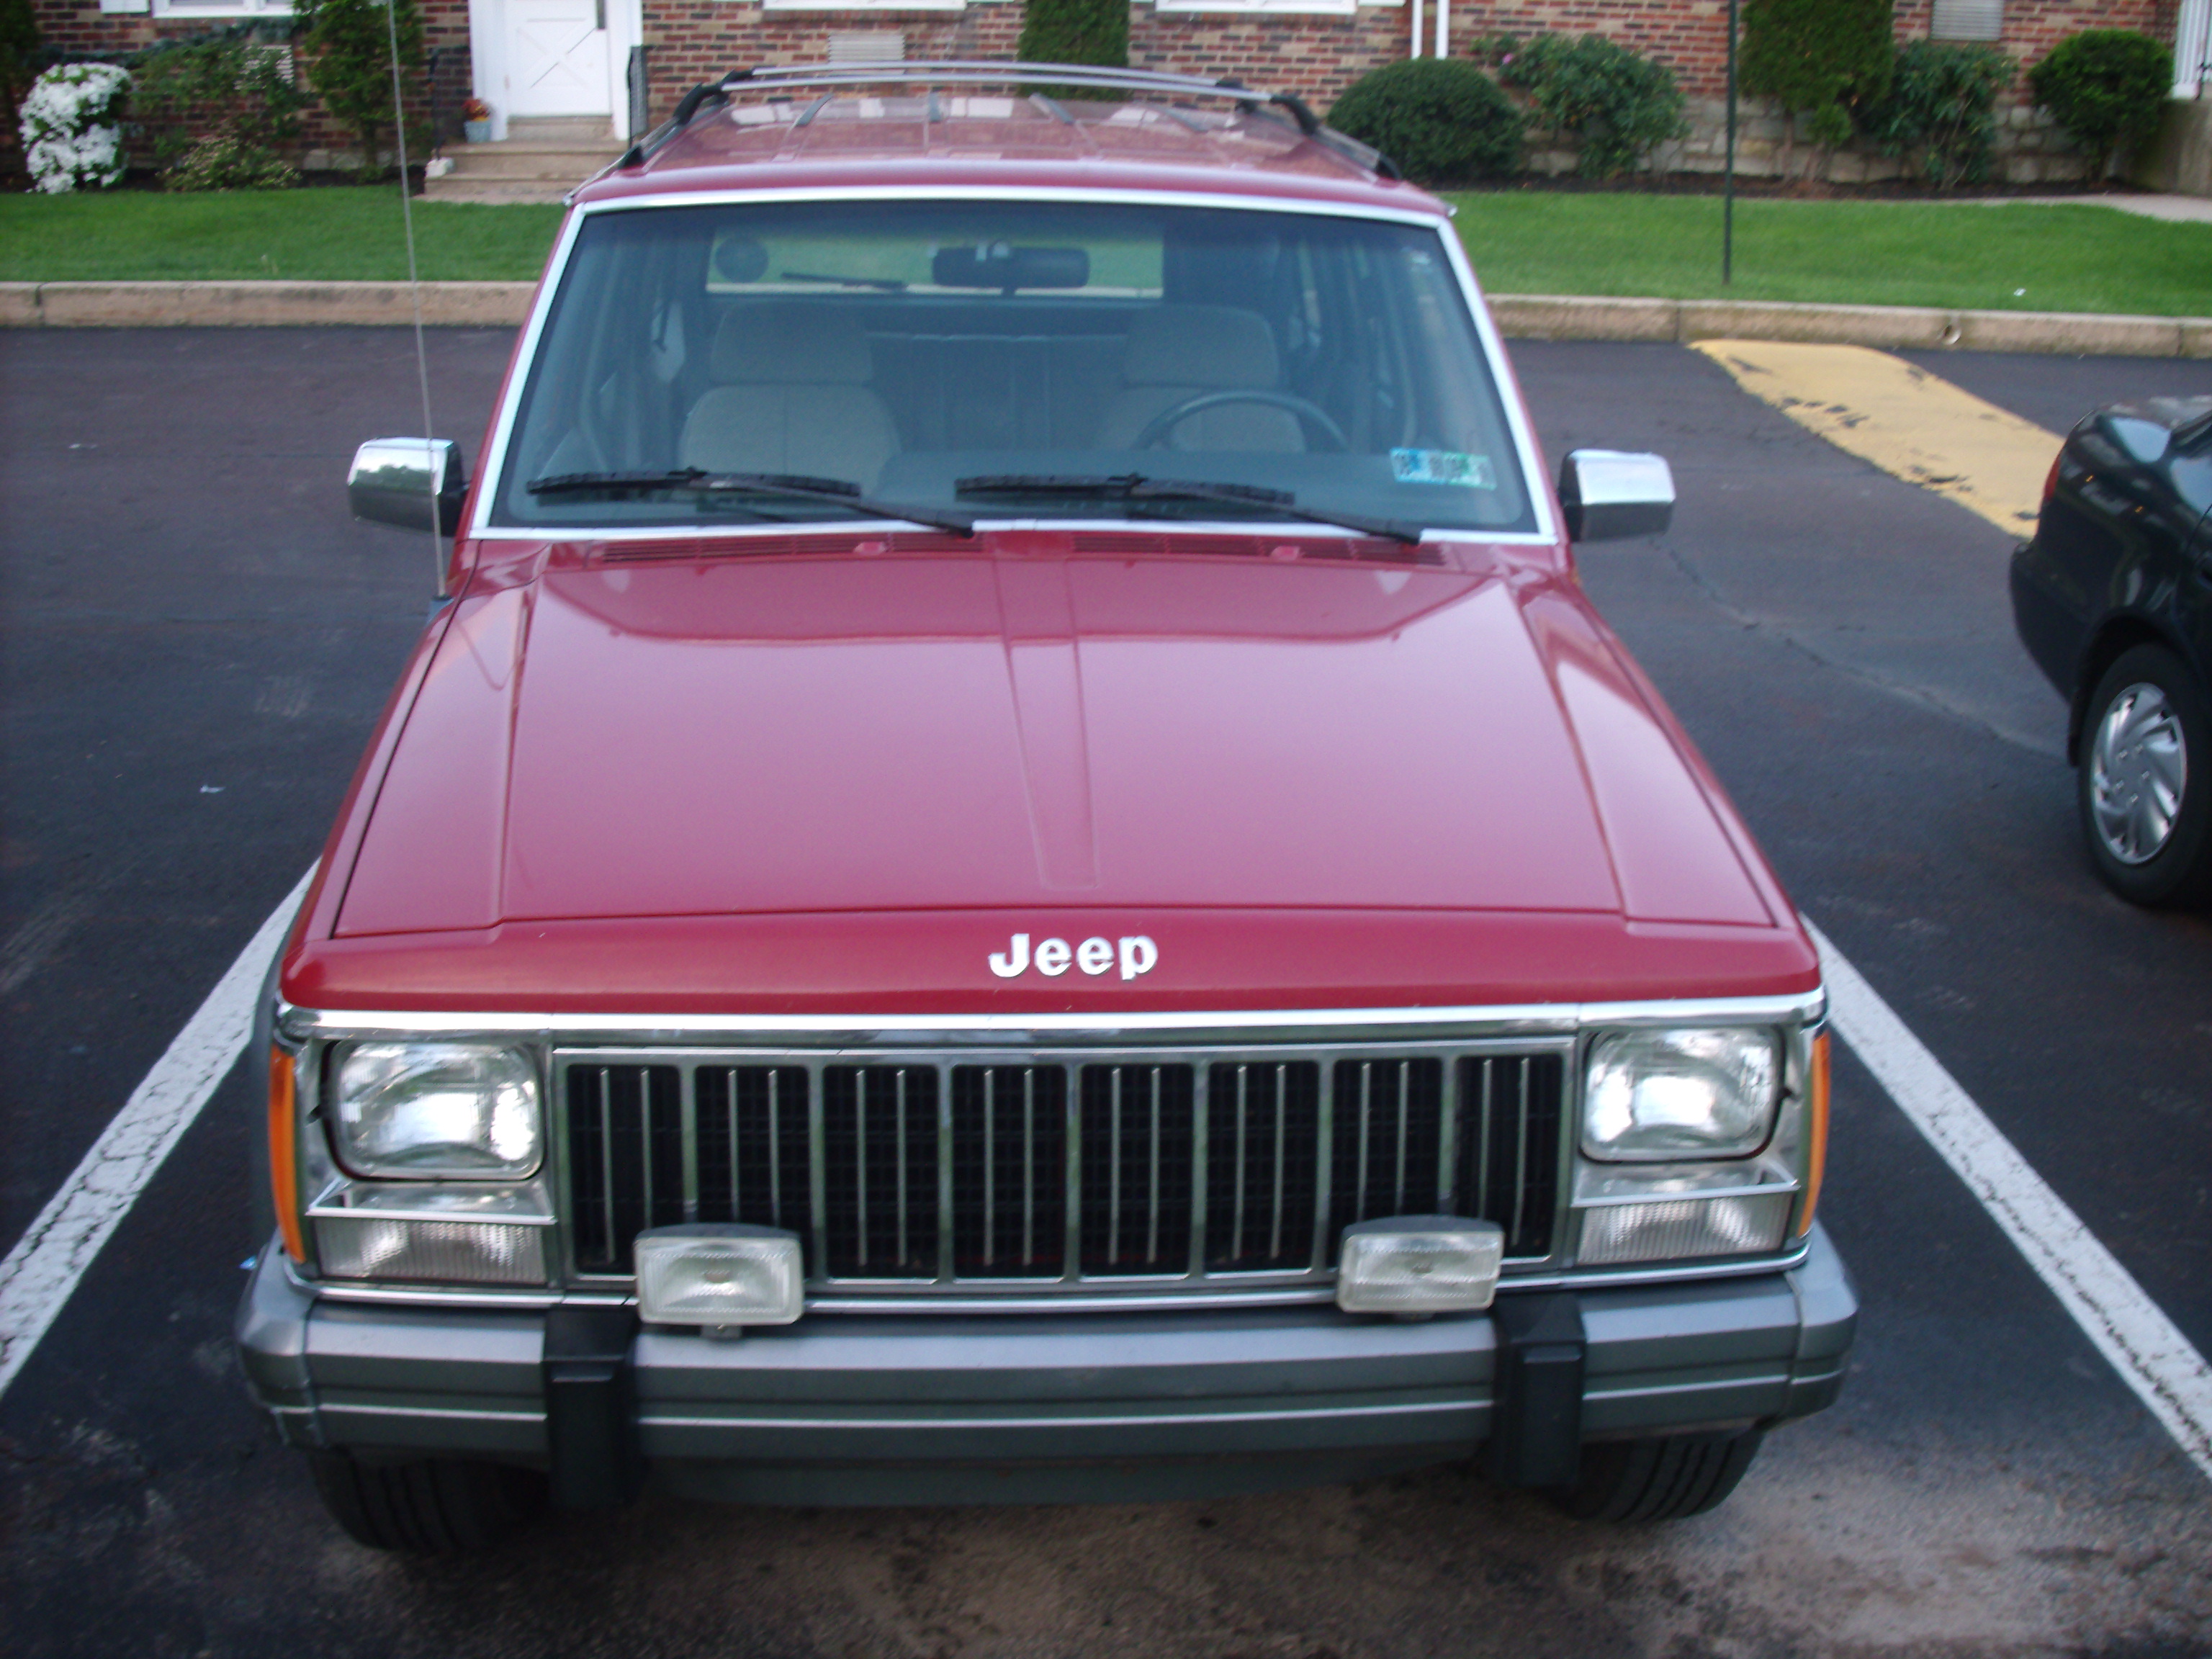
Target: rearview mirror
(403, 481)
(997, 265)
(1610, 493)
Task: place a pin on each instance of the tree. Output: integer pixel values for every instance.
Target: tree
(1076, 32)
(2107, 88)
(349, 51)
(1820, 59)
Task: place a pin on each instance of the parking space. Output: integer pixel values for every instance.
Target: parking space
(197, 642)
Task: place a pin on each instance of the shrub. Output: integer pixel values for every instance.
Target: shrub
(1441, 119)
(1617, 105)
(2107, 88)
(221, 163)
(224, 99)
(1075, 32)
(1942, 102)
(349, 50)
(1820, 59)
(72, 126)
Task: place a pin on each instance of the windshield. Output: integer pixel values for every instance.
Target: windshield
(1009, 360)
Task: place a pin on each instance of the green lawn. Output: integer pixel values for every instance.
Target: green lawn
(2065, 259)
(1888, 254)
(336, 233)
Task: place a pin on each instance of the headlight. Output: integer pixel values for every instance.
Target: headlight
(436, 1108)
(1674, 1095)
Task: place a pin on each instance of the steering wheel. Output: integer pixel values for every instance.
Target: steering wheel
(1172, 417)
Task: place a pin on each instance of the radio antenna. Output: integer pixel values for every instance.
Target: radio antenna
(415, 291)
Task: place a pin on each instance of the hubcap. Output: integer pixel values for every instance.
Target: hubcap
(2138, 769)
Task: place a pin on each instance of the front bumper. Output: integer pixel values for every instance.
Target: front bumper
(885, 1409)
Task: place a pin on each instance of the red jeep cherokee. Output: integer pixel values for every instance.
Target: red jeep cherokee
(1015, 870)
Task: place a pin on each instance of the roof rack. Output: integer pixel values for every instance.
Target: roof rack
(980, 72)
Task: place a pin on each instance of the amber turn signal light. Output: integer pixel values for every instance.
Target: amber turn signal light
(1816, 1159)
(283, 1154)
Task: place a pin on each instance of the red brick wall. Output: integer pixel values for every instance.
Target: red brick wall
(1316, 56)
(80, 28)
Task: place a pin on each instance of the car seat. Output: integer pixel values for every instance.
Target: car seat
(791, 394)
(1178, 352)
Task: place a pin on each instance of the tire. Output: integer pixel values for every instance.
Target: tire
(432, 1506)
(2145, 780)
(1666, 1478)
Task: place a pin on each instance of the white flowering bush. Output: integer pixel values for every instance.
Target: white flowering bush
(72, 126)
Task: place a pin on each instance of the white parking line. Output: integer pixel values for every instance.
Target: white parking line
(2130, 1329)
(43, 1269)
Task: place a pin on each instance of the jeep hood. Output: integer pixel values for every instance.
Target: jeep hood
(708, 741)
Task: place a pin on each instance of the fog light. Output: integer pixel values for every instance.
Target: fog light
(722, 1276)
(430, 1252)
(1680, 1228)
(1419, 1264)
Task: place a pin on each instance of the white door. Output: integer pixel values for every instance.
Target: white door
(556, 57)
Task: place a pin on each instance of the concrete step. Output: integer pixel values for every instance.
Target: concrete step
(586, 129)
(570, 162)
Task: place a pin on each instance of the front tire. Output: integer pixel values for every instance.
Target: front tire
(1664, 1478)
(2145, 780)
(428, 1506)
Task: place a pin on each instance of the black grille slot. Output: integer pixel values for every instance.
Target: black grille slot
(1137, 1126)
(626, 1146)
(1009, 1164)
(753, 1146)
(879, 1174)
(1263, 1136)
(1389, 1133)
(1508, 1166)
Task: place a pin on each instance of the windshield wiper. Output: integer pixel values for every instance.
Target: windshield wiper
(1136, 486)
(697, 481)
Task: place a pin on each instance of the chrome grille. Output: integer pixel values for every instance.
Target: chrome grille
(1058, 1170)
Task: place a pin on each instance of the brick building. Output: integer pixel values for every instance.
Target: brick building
(629, 60)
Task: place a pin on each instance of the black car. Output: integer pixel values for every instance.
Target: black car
(2113, 599)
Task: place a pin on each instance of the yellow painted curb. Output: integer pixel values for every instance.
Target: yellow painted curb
(1911, 424)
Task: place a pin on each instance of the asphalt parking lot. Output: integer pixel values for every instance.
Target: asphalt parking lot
(197, 640)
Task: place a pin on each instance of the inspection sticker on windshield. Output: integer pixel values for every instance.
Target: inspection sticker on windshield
(1443, 466)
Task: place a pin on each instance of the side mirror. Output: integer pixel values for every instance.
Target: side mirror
(403, 481)
(1609, 493)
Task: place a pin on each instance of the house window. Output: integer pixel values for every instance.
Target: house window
(222, 8)
(1332, 8)
(1967, 20)
(864, 5)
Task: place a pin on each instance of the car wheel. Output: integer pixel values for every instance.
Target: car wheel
(2146, 779)
(429, 1506)
(1664, 1478)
